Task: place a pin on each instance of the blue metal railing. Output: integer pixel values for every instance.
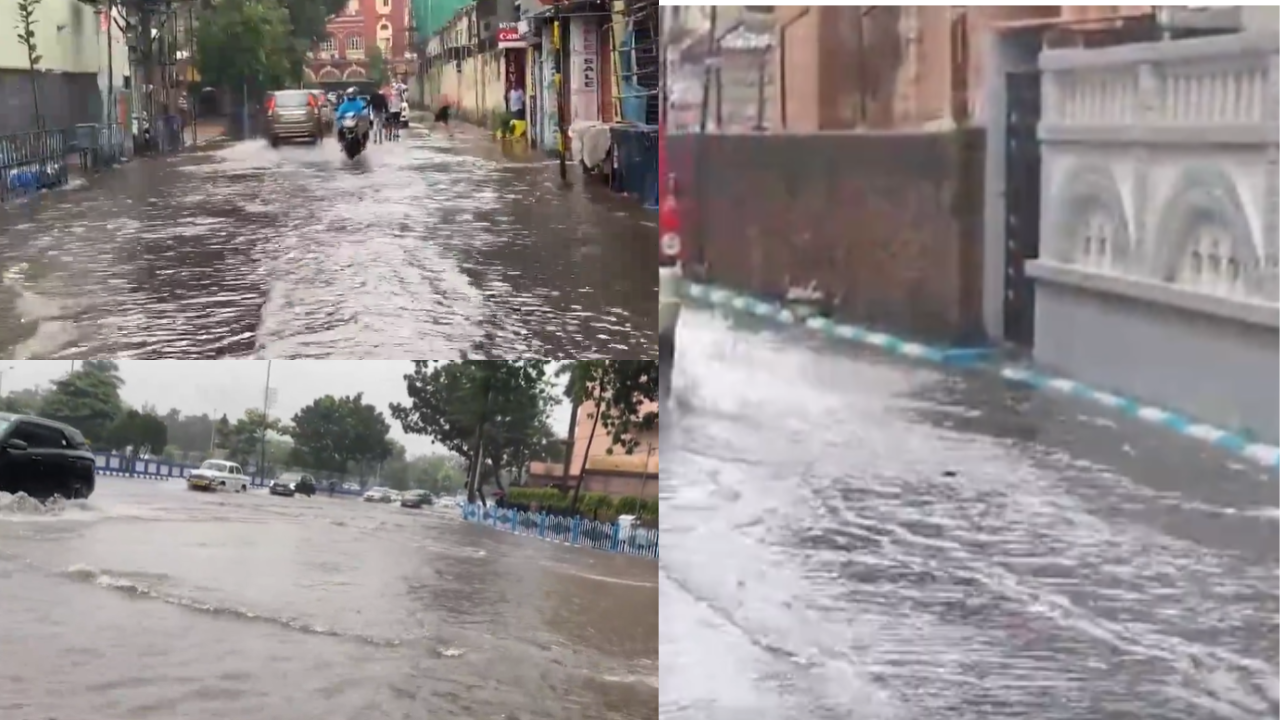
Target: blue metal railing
(31, 162)
(582, 532)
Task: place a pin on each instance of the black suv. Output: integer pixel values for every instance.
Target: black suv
(43, 458)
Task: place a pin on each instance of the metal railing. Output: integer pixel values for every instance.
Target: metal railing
(31, 162)
(581, 532)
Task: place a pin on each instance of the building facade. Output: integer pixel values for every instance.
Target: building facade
(72, 75)
(343, 56)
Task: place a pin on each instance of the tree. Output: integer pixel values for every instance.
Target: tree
(308, 17)
(332, 432)
(249, 43)
(243, 440)
(623, 397)
(137, 431)
(377, 66)
(27, 39)
(485, 411)
(26, 401)
(87, 399)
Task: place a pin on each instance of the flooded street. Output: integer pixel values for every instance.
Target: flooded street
(150, 601)
(851, 537)
(431, 247)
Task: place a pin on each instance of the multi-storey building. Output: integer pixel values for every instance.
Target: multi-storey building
(363, 24)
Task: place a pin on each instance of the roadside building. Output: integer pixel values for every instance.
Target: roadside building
(609, 469)
(342, 58)
(72, 76)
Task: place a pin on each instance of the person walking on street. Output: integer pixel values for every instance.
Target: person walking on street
(443, 108)
(515, 103)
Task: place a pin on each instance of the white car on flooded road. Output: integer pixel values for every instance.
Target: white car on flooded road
(381, 495)
(215, 475)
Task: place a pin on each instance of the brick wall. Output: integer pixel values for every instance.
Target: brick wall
(889, 222)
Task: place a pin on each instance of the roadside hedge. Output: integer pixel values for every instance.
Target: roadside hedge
(597, 506)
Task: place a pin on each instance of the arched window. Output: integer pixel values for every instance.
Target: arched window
(328, 44)
(355, 42)
(384, 6)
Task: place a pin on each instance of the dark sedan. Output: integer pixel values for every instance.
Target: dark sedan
(293, 483)
(415, 499)
(43, 458)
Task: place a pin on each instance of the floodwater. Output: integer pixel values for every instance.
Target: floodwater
(850, 537)
(430, 247)
(149, 601)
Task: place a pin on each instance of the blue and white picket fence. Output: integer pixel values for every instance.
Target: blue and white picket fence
(149, 469)
(580, 532)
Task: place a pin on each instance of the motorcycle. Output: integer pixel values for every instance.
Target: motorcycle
(353, 133)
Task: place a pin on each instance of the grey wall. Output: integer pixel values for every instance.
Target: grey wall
(66, 99)
(1218, 370)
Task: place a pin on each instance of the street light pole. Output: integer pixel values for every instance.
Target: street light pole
(262, 450)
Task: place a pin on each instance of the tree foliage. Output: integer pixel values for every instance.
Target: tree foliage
(491, 413)
(137, 431)
(87, 399)
(243, 439)
(332, 432)
(624, 392)
(248, 42)
(622, 395)
(308, 17)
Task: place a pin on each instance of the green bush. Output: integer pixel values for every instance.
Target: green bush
(596, 506)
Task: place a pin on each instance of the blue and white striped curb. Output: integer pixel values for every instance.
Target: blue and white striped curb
(1261, 453)
(721, 297)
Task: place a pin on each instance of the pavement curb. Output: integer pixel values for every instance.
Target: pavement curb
(988, 359)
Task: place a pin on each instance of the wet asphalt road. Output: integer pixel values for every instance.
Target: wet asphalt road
(148, 601)
(431, 247)
(856, 538)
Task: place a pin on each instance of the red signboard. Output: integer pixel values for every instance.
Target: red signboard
(508, 32)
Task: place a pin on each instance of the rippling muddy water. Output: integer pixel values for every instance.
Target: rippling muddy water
(148, 601)
(431, 247)
(853, 538)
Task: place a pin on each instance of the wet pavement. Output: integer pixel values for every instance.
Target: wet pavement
(149, 601)
(430, 247)
(857, 538)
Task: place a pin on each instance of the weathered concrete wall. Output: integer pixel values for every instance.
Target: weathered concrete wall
(477, 90)
(890, 223)
(66, 99)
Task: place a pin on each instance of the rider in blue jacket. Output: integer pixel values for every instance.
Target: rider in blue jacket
(351, 102)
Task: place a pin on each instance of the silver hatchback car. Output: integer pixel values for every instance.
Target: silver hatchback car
(293, 115)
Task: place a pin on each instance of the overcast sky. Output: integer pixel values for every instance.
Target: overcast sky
(230, 387)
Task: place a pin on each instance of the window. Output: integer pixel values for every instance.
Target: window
(39, 437)
(386, 47)
(384, 6)
(355, 42)
(328, 45)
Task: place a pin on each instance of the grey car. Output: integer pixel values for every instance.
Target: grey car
(293, 115)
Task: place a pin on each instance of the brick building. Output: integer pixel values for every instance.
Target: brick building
(361, 25)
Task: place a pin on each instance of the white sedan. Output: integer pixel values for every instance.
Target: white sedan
(380, 495)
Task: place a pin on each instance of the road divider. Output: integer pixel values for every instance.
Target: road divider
(615, 537)
(988, 359)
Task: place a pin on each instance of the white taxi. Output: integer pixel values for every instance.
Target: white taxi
(215, 475)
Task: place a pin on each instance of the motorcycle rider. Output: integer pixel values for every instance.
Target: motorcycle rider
(351, 103)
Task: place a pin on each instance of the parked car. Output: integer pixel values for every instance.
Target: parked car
(293, 115)
(43, 458)
(670, 256)
(416, 499)
(379, 495)
(215, 475)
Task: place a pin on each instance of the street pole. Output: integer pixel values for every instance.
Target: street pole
(557, 38)
(245, 113)
(262, 449)
(213, 432)
(111, 71)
